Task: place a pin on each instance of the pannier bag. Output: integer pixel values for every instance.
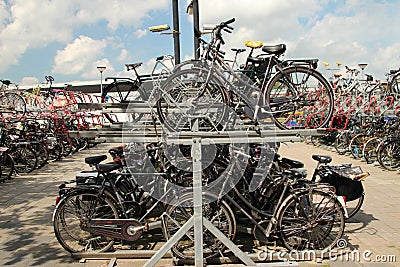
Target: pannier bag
(346, 181)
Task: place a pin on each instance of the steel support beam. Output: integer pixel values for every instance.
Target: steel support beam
(175, 31)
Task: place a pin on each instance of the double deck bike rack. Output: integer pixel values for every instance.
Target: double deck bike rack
(196, 139)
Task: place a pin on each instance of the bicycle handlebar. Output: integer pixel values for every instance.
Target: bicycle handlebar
(223, 26)
(225, 23)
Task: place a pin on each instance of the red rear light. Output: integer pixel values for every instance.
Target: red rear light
(344, 199)
(58, 199)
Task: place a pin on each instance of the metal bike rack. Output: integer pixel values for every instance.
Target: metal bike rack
(196, 140)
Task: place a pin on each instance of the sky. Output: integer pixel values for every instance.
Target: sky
(69, 39)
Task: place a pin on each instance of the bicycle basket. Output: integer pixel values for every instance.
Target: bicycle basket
(342, 180)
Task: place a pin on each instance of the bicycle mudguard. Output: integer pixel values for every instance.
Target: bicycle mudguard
(343, 204)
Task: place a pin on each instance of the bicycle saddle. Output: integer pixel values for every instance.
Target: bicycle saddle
(274, 49)
(95, 159)
(322, 159)
(293, 163)
(253, 44)
(133, 66)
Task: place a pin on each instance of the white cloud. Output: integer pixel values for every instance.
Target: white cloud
(78, 55)
(30, 24)
(33, 81)
(4, 15)
(123, 55)
(140, 33)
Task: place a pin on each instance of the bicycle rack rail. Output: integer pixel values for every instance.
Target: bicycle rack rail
(196, 140)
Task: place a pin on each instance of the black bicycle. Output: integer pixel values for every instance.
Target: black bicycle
(296, 95)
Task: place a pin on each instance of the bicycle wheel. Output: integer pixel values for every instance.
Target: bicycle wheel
(389, 156)
(311, 221)
(220, 215)
(71, 219)
(342, 142)
(6, 166)
(356, 145)
(67, 146)
(354, 206)
(299, 97)
(12, 105)
(82, 143)
(25, 160)
(124, 92)
(55, 149)
(379, 93)
(41, 153)
(370, 150)
(189, 94)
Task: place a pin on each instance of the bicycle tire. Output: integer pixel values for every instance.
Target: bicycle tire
(370, 150)
(25, 159)
(180, 101)
(179, 213)
(299, 97)
(55, 150)
(342, 143)
(387, 157)
(311, 223)
(83, 143)
(41, 153)
(74, 211)
(13, 105)
(379, 92)
(354, 206)
(67, 146)
(124, 92)
(356, 145)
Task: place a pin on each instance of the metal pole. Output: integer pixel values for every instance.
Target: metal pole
(175, 32)
(101, 84)
(196, 28)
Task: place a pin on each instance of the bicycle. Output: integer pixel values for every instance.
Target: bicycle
(346, 180)
(279, 209)
(294, 90)
(128, 90)
(21, 152)
(12, 104)
(393, 85)
(6, 161)
(107, 205)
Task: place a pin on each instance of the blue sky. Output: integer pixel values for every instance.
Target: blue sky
(68, 39)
